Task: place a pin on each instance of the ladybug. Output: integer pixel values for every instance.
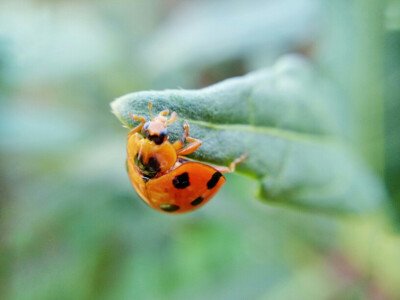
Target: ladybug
(159, 171)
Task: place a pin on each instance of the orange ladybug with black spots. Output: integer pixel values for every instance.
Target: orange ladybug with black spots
(161, 174)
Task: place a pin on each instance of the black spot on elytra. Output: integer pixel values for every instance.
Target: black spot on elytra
(197, 201)
(181, 181)
(214, 180)
(168, 207)
(150, 169)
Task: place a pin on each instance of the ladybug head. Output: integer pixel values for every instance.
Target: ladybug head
(156, 129)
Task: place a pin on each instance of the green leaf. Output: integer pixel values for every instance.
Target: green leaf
(290, 121)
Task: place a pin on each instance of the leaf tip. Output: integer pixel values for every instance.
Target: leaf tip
(118, 110)
(116, 104)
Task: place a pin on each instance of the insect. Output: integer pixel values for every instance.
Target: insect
(161, 174)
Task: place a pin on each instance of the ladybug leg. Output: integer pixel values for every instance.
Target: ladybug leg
(179, 143)
(137, 128)
(232, 166)
(194, 143)
(173, 118)
(186, 133)
(164, 112)
(193, 146)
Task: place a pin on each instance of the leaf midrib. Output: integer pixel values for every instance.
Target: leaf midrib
(271, 131)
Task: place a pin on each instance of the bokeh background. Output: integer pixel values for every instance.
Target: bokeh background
(71, 225)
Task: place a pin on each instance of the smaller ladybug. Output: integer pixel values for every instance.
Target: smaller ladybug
(161, 174)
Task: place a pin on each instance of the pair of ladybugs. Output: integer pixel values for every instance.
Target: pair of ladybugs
(161, 174)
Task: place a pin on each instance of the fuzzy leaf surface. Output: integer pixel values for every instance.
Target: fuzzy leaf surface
(291, 122)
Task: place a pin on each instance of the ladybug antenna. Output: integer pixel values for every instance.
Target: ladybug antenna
(151, 115)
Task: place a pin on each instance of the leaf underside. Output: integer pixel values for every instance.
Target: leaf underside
(291, 122)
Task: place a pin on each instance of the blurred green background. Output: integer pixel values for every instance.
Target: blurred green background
(71, 225)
